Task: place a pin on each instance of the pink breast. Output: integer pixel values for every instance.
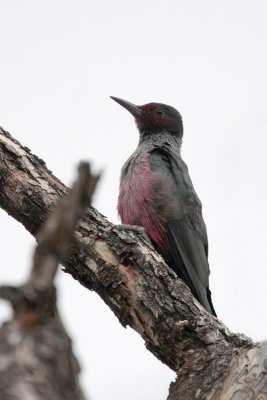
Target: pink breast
(136, 204)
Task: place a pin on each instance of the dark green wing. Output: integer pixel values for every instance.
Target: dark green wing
(181, 222)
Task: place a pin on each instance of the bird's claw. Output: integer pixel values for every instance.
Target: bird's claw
(133, 228)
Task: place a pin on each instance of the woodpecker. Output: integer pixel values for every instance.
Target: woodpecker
(156, 193)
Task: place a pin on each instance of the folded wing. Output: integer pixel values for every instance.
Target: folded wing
(177, 214)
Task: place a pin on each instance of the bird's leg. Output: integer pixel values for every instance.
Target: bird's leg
(140, 230)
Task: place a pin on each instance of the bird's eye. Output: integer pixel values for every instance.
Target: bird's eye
(159, 111)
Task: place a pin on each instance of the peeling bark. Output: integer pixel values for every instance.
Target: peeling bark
(136, 284)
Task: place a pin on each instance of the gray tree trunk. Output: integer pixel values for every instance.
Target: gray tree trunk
(36, 358)
(124, 269)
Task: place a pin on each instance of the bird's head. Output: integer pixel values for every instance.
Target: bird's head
(154, 117)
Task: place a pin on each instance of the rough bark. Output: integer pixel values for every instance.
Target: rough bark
(37, 362)
(36, 358)
(124, 269)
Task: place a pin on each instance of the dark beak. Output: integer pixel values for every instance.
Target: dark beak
(132, 108)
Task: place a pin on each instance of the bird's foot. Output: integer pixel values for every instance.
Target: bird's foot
(133, 228)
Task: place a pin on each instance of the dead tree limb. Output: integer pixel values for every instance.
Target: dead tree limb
(138, 287)
(36, 358)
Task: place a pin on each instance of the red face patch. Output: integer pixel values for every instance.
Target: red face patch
(154, 116)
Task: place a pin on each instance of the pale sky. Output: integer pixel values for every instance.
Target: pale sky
(59, 63)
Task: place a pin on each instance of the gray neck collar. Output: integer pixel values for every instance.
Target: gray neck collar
(163, 140)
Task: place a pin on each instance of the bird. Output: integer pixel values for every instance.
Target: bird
(156, 193)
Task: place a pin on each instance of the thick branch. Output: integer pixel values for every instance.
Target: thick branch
(57, 231)
(40, 363)
(129, 276)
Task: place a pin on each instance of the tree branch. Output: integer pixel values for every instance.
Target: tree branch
(131, 278)
(57, 231)
(40, 364)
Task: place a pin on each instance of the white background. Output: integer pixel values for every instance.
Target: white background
(59, 62)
